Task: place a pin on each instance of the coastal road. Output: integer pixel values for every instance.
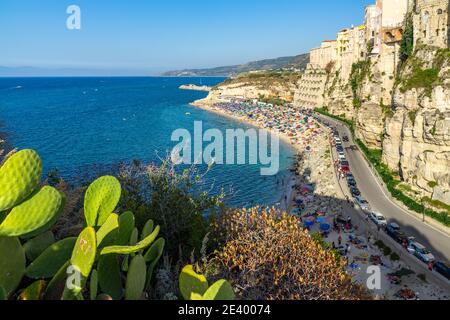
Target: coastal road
(434, 239)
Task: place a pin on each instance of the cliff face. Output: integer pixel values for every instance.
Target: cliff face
(417, 136)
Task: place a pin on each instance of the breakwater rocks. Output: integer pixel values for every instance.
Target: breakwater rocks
(194, 87)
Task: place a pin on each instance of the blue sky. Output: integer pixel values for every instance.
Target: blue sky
(151, 35)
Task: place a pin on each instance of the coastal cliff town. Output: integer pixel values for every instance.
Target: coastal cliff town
(390, 79)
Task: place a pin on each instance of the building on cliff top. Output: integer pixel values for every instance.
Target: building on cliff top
(431, 23)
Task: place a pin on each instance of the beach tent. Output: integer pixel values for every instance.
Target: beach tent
(325, 227)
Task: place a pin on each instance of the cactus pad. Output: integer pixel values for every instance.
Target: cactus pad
(12, 264)
(192, 283)
(51, 260)
(101, 199)
(19, 177)
(152, 257)
(36, 246)
(93, 285)
(126, 227)
(109, 276)
(221, 290)
(135, 284)
(84, 252)
(148, 229)
(34, 292)
(108, 232)
(132, 249)
(33, 214)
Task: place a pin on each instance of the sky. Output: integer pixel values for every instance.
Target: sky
(149, 36)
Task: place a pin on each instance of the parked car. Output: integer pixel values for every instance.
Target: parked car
(362, 203)
(378, 219)
(351, 183)
(442, 268)
(421, 252)
(340, 148)
(393, 230)
(342, 156)
(344, 163)
(355, 192)
(350, 176)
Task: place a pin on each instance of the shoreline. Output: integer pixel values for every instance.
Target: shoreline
(244, 120)
(287, 198)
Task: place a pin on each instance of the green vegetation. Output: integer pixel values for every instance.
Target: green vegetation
(375, 158)
(412, 116)
(387, 251)
(421, 76)
(407, 44)
(194, 286)
(395, 257)
(350, 123)
(359, 72)
(266, 78)
(105, 261)
(422, 79)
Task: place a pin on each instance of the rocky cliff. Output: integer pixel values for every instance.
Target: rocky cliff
(417, 135)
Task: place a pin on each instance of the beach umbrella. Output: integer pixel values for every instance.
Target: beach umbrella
(325, 227)
(322, 220)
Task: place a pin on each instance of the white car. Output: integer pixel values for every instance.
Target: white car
(362, 203)
(378, 219)
(421, 252)
(342, 156)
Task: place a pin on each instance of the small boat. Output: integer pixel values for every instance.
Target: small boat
(188, 113)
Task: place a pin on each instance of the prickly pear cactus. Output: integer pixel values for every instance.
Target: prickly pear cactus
(34, 292)
(12, 264)
(36, 246)
(134, 237)
(93, 285)
(33, 214)
(147, 230)
(51, 260)
(152, 257)
(191, 283)
(135, 284)
(19, 177)
(126, 226)
(101, 199)
(221, 290)
(108, 232)
(84, 252)
(123, 250)
(109, 276)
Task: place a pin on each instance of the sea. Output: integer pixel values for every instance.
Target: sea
(85, 125)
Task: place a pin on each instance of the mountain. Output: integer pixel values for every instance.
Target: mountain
(296, 62)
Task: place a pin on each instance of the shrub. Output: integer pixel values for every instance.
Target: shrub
(268, 255)
(175, 200)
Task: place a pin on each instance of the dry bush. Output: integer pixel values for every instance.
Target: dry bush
(268, 256)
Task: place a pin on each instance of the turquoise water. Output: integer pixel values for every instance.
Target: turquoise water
(82, 124)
